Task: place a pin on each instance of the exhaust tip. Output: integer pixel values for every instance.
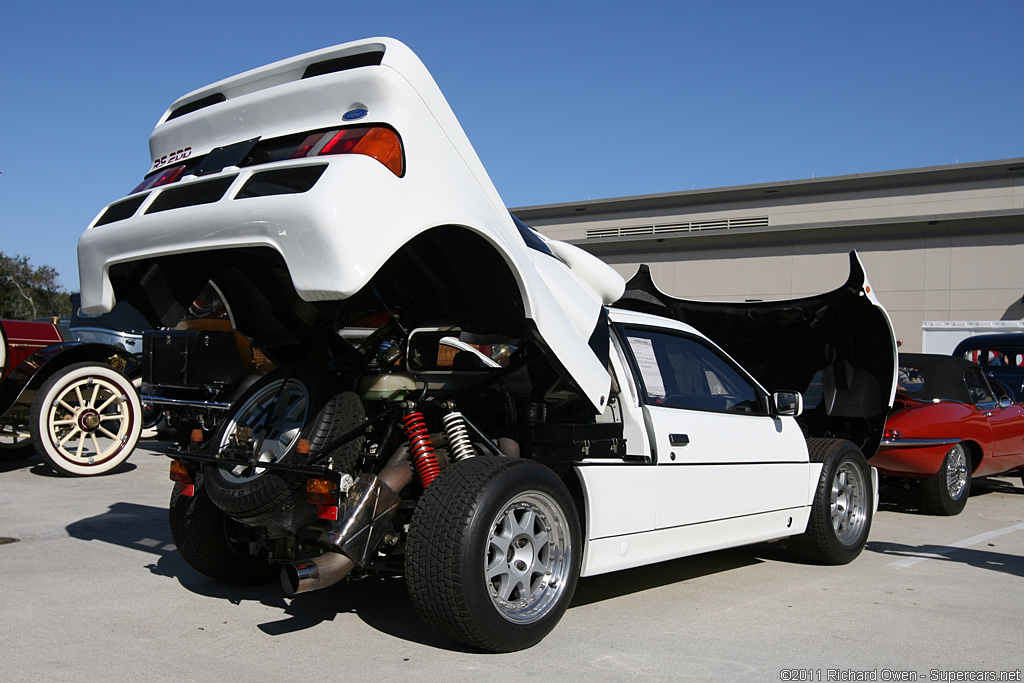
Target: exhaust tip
(290, 579)
(319, 572)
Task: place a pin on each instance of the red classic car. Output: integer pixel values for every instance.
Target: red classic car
(68, 402)
(946, 427)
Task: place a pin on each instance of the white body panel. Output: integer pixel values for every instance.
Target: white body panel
(334, 237)
(623, 552)
(740, 479)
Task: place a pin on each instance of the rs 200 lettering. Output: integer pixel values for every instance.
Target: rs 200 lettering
(179, 155)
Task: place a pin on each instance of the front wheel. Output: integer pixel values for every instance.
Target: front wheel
(85, 419)
(494, 553)
(842, 508)
(946, 491)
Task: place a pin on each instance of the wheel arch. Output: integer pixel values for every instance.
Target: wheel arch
(974, 452)
(32, 372)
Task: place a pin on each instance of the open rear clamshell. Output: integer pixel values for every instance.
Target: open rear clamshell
(837, 348)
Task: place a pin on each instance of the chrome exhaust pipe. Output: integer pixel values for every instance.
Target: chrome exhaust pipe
(319, 572)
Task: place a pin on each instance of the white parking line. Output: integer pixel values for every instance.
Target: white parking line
(939, 552)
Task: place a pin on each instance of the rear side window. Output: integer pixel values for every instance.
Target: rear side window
(678, 371)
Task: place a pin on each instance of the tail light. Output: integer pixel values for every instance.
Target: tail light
(321, 491)
(164, 177)
(183, 474)
(324, 494)
(377, 142)
(892, 434)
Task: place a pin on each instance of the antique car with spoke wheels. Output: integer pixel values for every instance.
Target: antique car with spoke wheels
(68, 402)
(441, 391)
(948, 426)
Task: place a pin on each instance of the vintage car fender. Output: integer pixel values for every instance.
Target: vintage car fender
(34, 370)
(336, 236)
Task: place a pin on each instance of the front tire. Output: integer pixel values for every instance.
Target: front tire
(213, 544)
(85, 419)
(842, 508)
(946, 491)
(494, 553)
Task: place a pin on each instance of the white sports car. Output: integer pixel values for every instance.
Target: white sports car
(420, 383)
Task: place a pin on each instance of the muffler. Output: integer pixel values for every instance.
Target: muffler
(319, 572)
(365, 517)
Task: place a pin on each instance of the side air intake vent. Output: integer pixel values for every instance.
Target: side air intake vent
(667, 228)
(331, 66)
(197, 105)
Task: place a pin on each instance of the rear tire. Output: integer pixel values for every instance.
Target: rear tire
(842, 508)
(946, 491)
(213, 544)
(494, 553)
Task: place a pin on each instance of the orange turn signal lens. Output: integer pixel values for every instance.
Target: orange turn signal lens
(181, 472)
(321, 491)
(383, 144)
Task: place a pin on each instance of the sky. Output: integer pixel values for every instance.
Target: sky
(563, 101)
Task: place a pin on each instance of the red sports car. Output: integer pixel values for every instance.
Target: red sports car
(67, 402)
(946, 427)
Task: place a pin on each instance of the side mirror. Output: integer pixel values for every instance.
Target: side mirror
(1005, 402)
(787, 403)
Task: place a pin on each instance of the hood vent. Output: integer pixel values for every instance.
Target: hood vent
(197, 105)
(331, 66)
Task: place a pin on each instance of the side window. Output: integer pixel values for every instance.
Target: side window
(682, 372)
(977, 386)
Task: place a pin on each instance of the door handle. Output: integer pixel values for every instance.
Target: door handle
(678, 439)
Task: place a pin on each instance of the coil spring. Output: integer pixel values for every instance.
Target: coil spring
(458, 436)
(423, 457)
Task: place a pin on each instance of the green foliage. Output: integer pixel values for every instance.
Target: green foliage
(28, 292)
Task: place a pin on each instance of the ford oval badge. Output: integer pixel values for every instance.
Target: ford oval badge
(354, 114)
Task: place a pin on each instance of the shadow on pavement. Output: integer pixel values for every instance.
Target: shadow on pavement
(380, 602)
(983, 559)
(11, 465)
(898, 498)
(628, 581)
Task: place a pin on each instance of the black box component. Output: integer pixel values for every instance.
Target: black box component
(556, 442)
(191, 358)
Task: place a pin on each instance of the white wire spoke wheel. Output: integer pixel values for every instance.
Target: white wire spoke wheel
(85, 419)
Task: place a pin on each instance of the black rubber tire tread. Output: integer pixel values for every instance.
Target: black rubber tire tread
(440, 556)
(819, 542)
(935, 496)
(265, 497)
(199, 531)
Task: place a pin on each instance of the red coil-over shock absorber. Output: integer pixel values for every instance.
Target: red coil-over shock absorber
(423, 457)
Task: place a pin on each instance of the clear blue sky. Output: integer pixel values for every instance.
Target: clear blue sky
(563, 100)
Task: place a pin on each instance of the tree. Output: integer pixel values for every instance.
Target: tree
(28, 292)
